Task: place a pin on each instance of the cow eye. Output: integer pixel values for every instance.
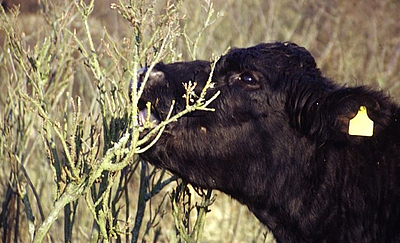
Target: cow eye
(247, 79)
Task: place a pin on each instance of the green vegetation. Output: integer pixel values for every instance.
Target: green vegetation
(69, 170)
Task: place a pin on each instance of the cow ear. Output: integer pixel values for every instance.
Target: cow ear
(359, 111)
(361, 124)
(344, 114)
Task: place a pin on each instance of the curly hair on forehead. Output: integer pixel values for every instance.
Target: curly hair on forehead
(281, 57)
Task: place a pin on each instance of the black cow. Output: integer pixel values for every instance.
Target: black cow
(279, 143)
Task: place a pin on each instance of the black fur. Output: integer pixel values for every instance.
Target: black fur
(278, 143)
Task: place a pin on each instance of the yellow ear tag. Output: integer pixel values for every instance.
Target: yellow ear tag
(361, 124)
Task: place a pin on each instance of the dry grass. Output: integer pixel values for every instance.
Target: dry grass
(52, 82)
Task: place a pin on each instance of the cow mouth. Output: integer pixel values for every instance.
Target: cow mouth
(147, 120)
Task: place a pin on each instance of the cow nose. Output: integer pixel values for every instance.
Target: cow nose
(140, 76)
(155, 77)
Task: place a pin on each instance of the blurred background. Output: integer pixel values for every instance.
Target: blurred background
(354, 43)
